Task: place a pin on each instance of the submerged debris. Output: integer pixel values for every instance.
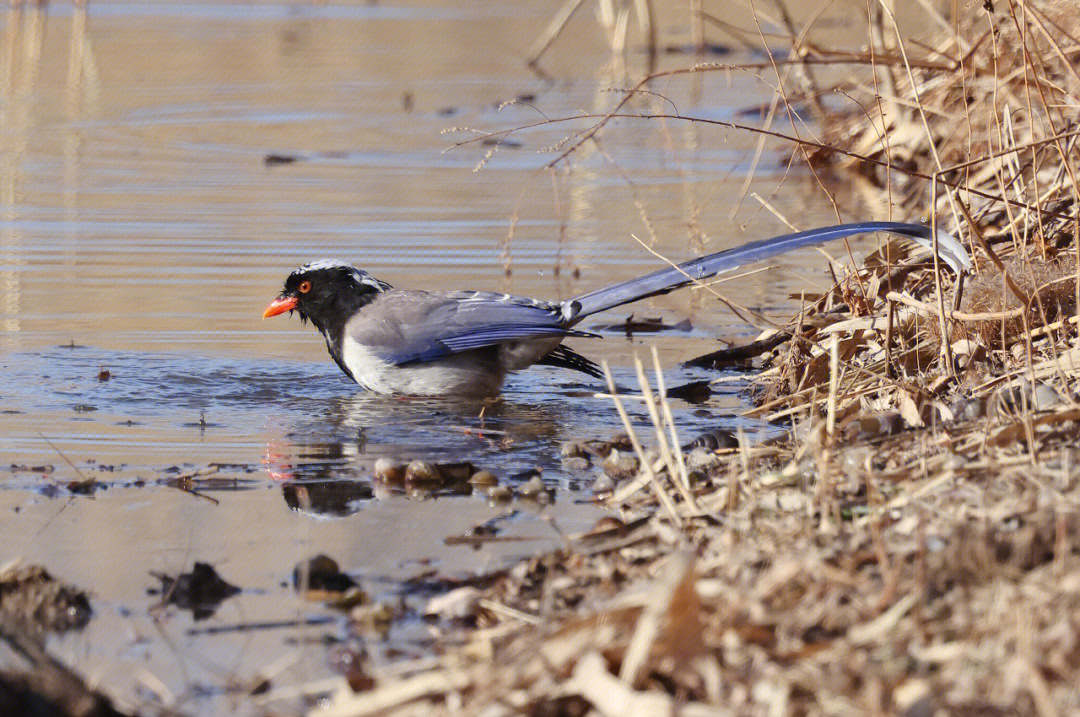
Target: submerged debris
(321, 573)
(462, 604)
(200, 591)
(716, 439)
(275, 159)
(633, 326)
(41, 686)
(694, 392)
(33, 601)
(35, 684)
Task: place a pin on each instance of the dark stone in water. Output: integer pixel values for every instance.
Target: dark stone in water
(273, 160)
(708, 48)
(647, 325)
(456, 472)
(200, 591)
(693, 392)
(714, 440)
(495, 142)
(525, 475)
(323, 573)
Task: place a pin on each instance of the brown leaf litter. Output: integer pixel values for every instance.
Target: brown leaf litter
(912, 545)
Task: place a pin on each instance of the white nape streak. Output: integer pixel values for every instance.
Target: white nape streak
(321, 264)
(359, 275)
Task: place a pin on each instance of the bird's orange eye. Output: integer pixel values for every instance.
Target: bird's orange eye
(305, 287)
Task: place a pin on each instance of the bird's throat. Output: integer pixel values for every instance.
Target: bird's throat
(331, 321)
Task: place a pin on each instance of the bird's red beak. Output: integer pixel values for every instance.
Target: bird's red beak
(279, 306)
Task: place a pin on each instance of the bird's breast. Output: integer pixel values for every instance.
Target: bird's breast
(471, 373)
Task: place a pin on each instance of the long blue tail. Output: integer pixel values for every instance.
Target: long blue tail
(663, 281)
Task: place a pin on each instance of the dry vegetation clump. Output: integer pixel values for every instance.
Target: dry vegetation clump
(979, 132)
(880, 570)
(1046, 293)
(912, 545)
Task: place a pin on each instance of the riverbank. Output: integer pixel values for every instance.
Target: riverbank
(913, 543)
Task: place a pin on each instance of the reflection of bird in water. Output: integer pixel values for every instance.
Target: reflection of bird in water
(379, 425)
(326, 465)
(278, 466)
(464, 343)
(322, 487)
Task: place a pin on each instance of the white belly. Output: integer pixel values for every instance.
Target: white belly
(465, 374)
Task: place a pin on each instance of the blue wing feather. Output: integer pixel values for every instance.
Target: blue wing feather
(426, 326)
(497, 334)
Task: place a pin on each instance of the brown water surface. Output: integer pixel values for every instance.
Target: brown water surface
(142, 231)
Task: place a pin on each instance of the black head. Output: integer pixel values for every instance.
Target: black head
(327, 292)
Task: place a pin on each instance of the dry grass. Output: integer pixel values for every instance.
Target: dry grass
(913, 544)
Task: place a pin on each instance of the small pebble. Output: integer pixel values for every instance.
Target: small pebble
(576, 463)
(422, 472)
(573, 449)
(389, 471)
(483, 478)
(1044, 397)
(620, 465)
(969, 409)
(1011, 400)
(608, 523)
(699, 458)
(500, 494)
(603, 485)
(533, 488)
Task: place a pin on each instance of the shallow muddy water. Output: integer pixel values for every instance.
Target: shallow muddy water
(143, 229)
